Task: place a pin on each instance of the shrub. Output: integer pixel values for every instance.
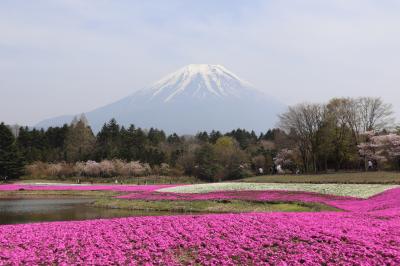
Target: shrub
(107, 168)
(135, 168)
(36, 169)
(92, 168)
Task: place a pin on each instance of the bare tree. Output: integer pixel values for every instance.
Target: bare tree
(350, 108)
(375, 115)
(364, 114)
(304, 122)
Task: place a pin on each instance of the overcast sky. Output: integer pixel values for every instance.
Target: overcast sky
(65, 57)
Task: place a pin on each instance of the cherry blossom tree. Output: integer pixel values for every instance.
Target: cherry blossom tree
(380, 148)
(286, 159)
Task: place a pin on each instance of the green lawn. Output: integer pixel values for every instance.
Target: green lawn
(341, 178)
(212, 206)
(142, 180)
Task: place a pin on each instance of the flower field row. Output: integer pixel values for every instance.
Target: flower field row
(352, 190)
(121, 188)
(376, 202)
(270, 195)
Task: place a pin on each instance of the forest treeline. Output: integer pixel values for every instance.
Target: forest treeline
(344, 134)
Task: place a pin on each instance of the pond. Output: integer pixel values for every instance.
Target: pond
(17, 211)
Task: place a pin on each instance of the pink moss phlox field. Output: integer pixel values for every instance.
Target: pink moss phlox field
(257, 195)
(121, 188)
(367, 233)
(228, 239)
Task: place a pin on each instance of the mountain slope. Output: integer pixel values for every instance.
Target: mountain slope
(194, 98)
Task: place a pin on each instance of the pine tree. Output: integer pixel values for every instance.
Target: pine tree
(174, 139)
(214, 135)
(203, 136)
(108, 144)
(55, 141)
(206, 163)
(156, 136)
(11, 163)
(32, 144)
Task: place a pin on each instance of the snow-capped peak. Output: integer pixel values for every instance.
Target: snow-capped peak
(200, 81)
(194, 98)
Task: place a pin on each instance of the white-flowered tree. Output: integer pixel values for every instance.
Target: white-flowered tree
(286, 158)
(380, 148)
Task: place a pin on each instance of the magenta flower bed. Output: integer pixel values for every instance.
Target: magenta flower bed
(256, 239)
(258, 195)
(383, 201)
(367, 234)
(122, 188)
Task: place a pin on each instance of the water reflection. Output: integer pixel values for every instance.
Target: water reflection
(16, 211)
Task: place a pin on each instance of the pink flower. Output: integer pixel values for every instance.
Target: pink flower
(366, 233)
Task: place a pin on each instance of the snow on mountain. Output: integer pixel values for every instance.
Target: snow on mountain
(194, 98)
(199, 81)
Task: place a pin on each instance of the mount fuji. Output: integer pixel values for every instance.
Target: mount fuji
(195, 98)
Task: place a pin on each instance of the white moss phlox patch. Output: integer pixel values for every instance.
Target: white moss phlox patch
(352, 190)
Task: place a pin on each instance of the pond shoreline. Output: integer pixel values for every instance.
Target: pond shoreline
(107, 204)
